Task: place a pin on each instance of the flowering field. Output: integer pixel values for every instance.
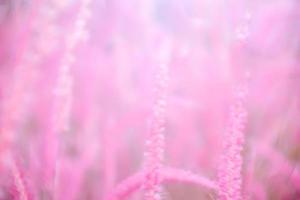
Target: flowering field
(149, 99)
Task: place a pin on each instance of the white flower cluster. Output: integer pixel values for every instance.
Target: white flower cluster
(65, 80)
(154, 155)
